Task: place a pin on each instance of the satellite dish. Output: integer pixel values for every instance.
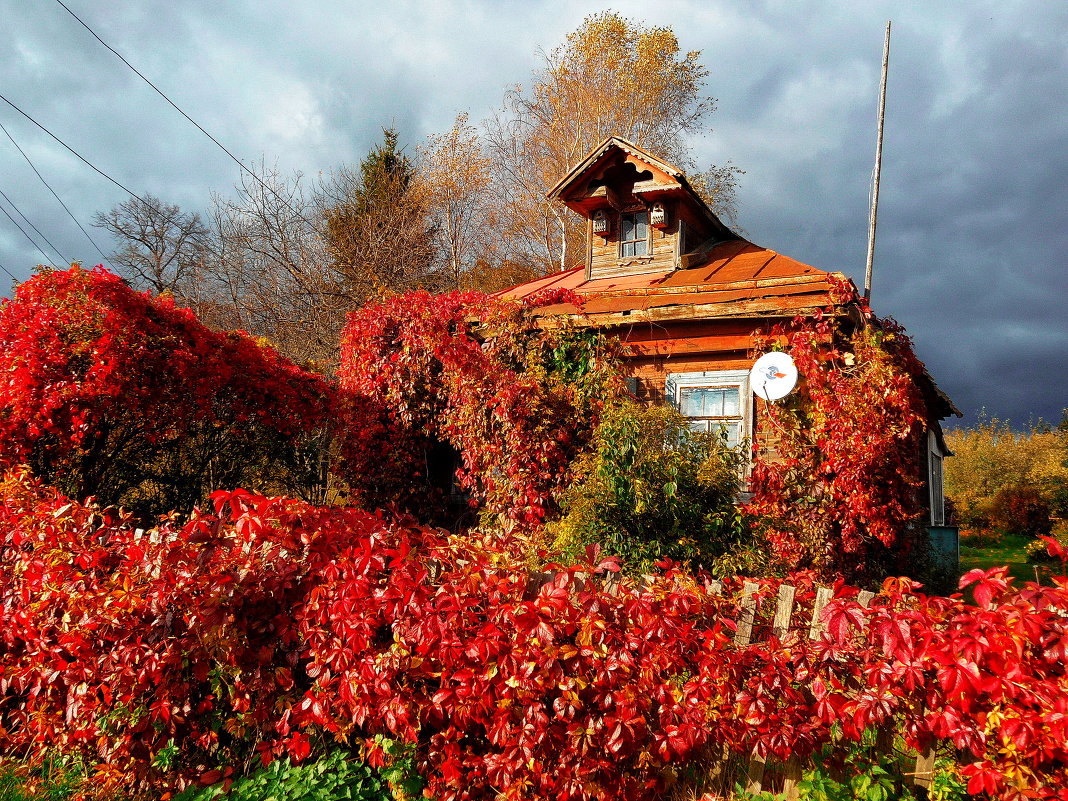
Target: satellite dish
(773, 376)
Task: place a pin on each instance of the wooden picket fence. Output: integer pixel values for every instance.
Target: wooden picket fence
(790, 772)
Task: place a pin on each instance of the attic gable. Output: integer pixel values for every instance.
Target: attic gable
(643, 214)
(614, 171)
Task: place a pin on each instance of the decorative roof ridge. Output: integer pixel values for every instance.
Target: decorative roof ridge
(595, 154)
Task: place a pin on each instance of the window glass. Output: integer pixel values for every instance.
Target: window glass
(708, 401)
(634, 234)
(713, 408)
(713, 400)
(730, 431)
(938, 504)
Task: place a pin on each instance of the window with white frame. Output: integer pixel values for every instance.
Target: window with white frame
(714, 400)
(936, 452)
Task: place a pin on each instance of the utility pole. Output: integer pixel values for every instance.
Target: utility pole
(878, 168)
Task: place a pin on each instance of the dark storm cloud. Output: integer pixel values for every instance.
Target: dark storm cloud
(972, 235)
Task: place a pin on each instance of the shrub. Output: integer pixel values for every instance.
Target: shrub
(992, 457)
(117, 395)
(1020, 510)
(1038, 551)
(651, 489)
(514, 401)
(334, 777)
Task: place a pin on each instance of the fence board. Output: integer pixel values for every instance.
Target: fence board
(823, 597)
(745, 620)
(784, 610)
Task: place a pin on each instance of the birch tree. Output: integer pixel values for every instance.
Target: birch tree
(612, 76)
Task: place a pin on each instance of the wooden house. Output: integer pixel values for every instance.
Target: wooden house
(685, 294)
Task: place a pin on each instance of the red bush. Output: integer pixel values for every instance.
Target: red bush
(515, 401)
(119, 395)
(1021, 510)
(276, 625)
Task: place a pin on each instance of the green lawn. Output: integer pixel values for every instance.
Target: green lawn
(1010, 552)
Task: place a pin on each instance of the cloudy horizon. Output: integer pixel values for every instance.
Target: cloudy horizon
(971, 243)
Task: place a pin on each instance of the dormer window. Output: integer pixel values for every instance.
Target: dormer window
(633, 234)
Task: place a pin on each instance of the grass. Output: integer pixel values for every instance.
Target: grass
(1009, 551)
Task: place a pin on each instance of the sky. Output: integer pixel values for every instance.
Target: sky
(972, 244)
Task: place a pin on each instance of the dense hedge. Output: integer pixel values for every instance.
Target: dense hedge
(122, 396)
(274, 627)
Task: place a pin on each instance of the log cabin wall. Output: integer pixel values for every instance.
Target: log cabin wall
(657, 351)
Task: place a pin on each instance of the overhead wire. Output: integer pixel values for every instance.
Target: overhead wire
(13, 278)
(30, 238)
(54, 193)
(78, 155)
(29, 222)
(199, 127)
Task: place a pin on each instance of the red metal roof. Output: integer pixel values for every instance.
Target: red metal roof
(737, 278)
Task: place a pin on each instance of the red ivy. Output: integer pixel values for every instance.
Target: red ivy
(105, 391)
(273, 626)
(838, 493)
(515, 401)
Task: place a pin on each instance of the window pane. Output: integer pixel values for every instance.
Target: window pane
(732, 431)
(731, 402)
(710, 401)
(698, 425)
(701, 401)
(634, 234)
(641, 226)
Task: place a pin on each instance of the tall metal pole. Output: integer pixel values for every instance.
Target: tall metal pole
(878, 168)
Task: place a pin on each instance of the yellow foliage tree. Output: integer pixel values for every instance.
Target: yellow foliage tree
(612, 76)
(454, 174)
(992, 458)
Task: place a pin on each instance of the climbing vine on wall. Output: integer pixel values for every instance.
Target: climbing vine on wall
(839, 493)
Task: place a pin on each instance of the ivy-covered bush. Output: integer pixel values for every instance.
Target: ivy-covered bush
(274, 630)
(513, 401)
(110, 393)
(652, 489)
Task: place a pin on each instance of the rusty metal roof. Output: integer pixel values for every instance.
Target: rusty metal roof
(736, 279)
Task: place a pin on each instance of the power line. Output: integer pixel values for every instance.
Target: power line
(199, 127)
(30, 238)
(54, 193)
(73, 151)
(18, 211)
(13, 278)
